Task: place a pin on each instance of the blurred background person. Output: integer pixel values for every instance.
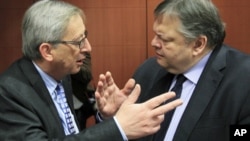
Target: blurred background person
(83, 90)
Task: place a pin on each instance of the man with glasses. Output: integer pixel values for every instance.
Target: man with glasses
(35, 91)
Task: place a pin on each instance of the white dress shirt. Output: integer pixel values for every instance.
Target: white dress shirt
(188, 87)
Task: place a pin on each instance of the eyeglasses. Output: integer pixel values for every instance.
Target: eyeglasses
(80, 43)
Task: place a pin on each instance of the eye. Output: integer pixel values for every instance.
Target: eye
(86, 33)
(82, 42)
(165, 40)
(161, 39)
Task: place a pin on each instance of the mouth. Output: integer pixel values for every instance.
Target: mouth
(159, 55)
(80, 61)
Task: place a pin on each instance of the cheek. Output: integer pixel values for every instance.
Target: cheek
(185, 57)
(69, 60)
(171, 53)
(72, 55)
(176, 56)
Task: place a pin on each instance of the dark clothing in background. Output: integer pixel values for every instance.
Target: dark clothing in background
(84, 91)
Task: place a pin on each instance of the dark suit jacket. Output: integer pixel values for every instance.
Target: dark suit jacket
(27, 112)
(220, 99)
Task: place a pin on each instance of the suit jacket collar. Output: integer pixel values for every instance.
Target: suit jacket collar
(203, 93)
(161, 85)
(37, 83)
(39, 86)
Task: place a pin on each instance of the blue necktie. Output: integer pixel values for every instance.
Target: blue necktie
(62, 101)
(160, 135)
(178, 85)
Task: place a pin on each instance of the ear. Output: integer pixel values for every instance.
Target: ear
(200, 45)
(46, 51)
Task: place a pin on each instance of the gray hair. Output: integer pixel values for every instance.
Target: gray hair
(198, 17)
(44, 21)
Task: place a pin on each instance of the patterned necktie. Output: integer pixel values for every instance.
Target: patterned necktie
(160, 135)
(62, 101)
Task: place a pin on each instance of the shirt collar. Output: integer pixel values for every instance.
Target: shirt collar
(194, 73)
(50, 83)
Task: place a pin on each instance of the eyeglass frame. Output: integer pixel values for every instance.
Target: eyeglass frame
(80, 43)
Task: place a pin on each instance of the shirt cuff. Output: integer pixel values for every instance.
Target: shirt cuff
(99, 117)
(121, 130)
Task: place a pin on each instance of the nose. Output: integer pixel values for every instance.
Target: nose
(87, 47)
(155, 43)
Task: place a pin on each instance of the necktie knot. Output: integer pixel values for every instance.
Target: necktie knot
(180, 79)
(59, 89)
(178, 85)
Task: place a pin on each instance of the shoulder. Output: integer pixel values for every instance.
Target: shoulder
(236, 57)
(148, 67)
(148, 73)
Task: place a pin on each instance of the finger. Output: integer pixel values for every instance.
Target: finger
(98, 98)
(99, 101)
(103, 78)
(134, 95)
(99, 87)
(109, 78)
(158, 100)
(128, 87)
(157, 120)
(166, 107)
(99, 92)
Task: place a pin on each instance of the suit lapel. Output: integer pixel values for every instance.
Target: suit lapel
(203, 93)
(41, 90)
(161, 85)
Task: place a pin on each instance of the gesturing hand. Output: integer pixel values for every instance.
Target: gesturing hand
(109, 97)
(138, 120)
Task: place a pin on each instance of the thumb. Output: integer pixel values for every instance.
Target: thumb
(128, 87)
(134, 95)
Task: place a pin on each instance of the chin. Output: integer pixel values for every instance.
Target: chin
(160, 62)
(76, 70)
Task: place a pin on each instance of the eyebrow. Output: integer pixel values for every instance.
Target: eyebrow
(159, 34)
(84, 34)
(79, 36)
